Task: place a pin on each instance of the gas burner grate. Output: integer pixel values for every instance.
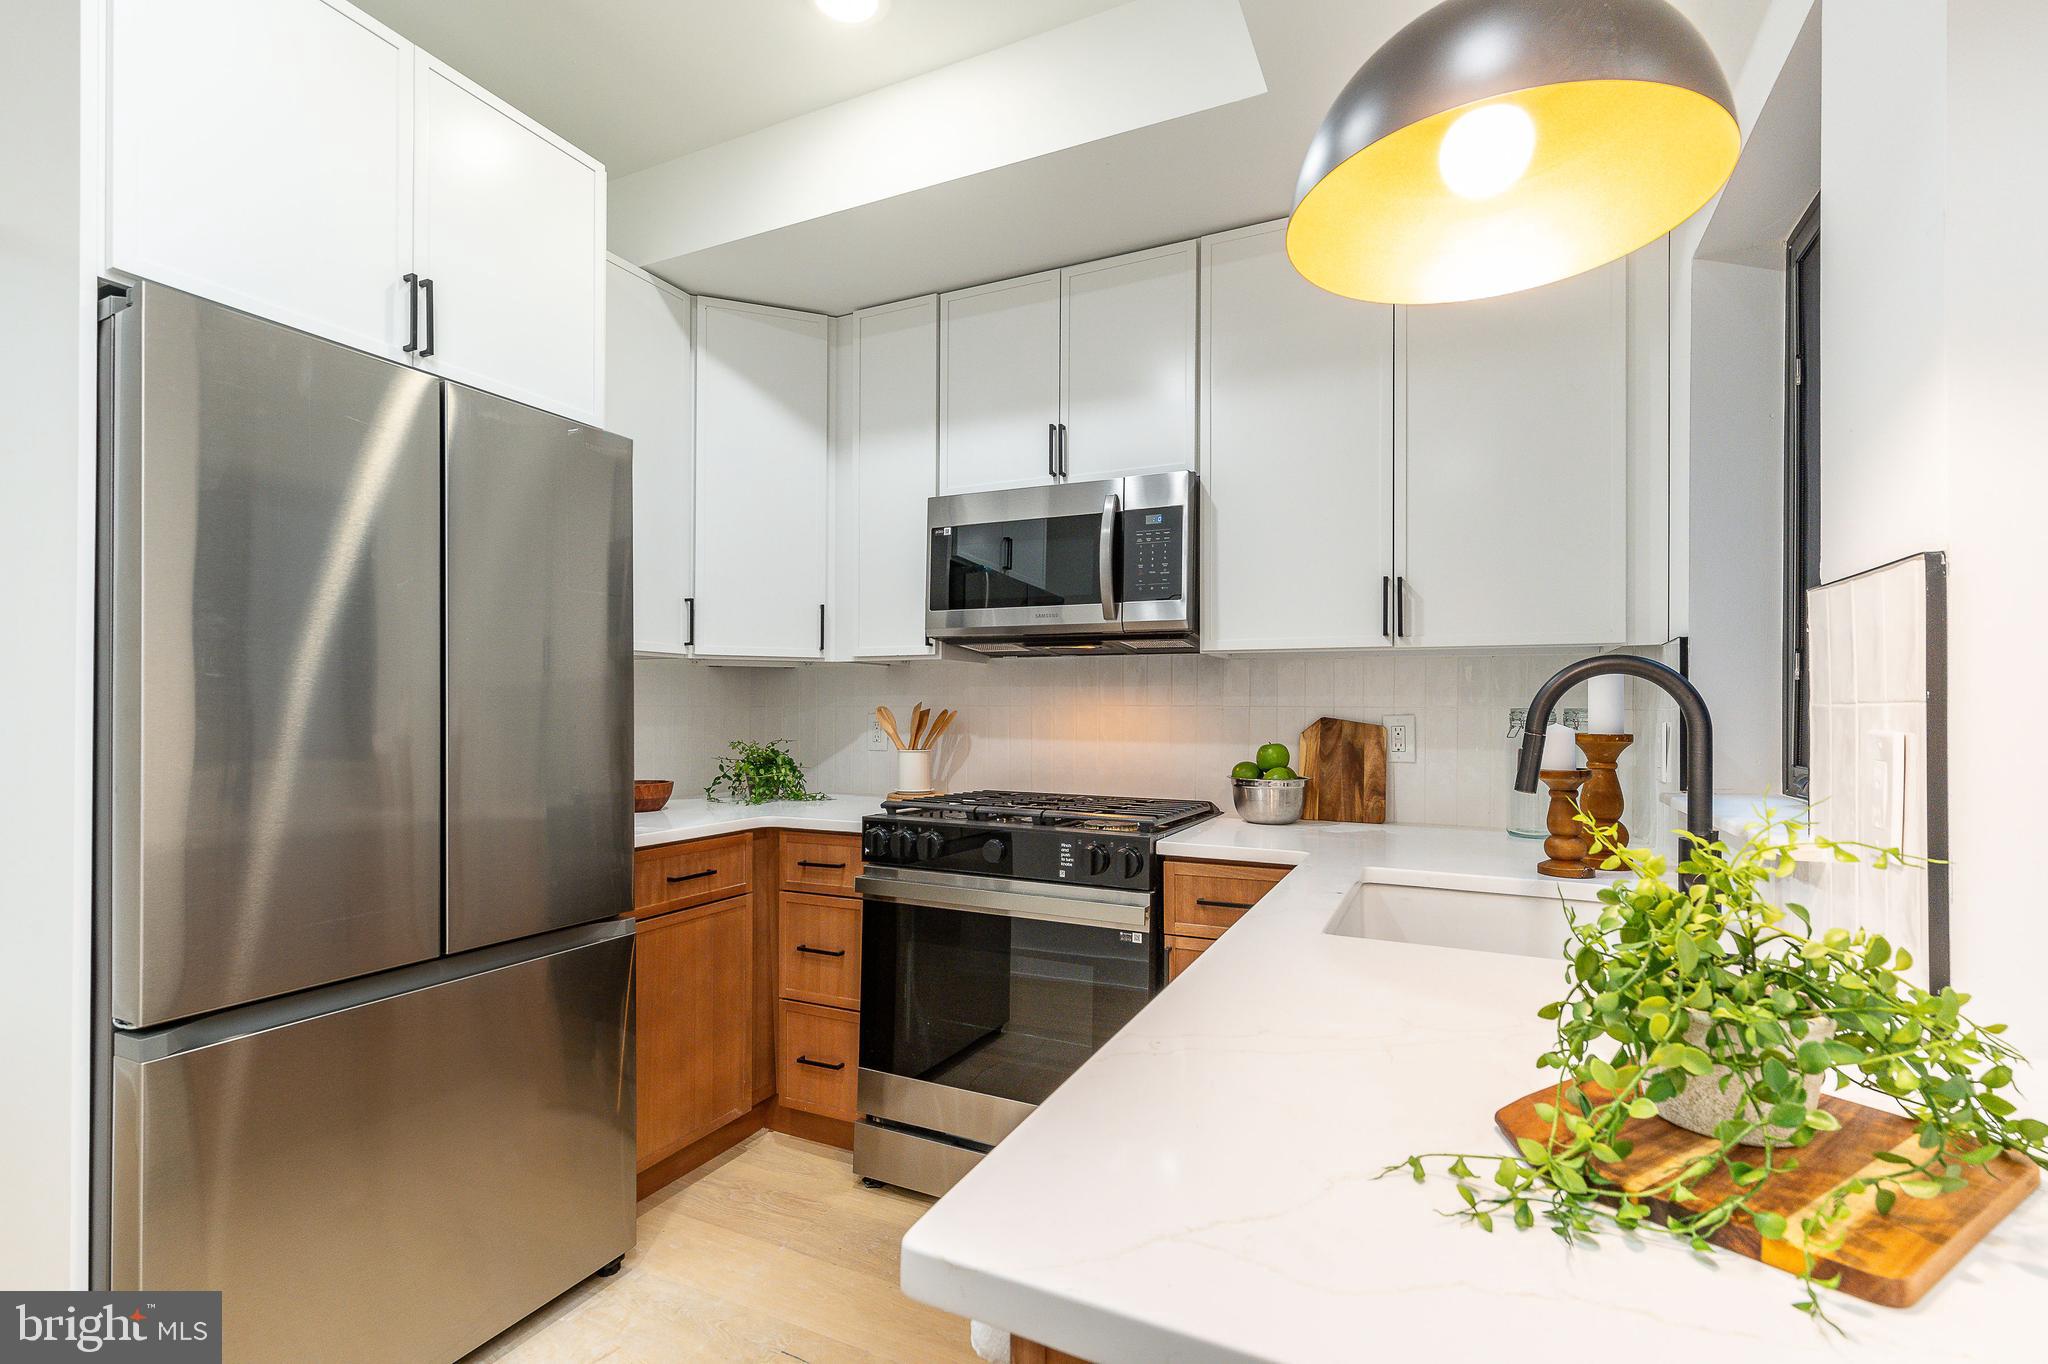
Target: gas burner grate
(1131, 814)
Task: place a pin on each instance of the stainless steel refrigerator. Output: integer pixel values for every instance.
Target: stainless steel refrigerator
(363, 839)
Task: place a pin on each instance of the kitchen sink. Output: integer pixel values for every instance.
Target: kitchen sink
(1478, 921)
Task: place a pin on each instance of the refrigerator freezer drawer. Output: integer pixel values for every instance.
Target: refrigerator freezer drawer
(395, 1178)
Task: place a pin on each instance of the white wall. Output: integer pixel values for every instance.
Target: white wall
(1884, 196)
(46, 490)
(1996, 454)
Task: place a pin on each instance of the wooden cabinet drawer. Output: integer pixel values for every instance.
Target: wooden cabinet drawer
(824, 864)
(1204, 898)
(820, 937)
(1181, 953)
(818, 1059)
(677, 875)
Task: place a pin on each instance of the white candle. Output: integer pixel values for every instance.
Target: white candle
(1605, 713)
(1560, 753)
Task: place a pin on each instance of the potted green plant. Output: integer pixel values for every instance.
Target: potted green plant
(760, 773)
(1712, 990)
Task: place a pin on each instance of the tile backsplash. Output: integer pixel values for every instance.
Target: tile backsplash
(1169, 726)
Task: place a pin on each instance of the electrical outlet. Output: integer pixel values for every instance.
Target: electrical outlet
(878, 742)
(1402, 740)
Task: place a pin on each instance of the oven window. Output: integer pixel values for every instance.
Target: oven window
(983, 1002)
(1038, 561)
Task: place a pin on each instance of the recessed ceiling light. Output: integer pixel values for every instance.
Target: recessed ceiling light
(849, 11)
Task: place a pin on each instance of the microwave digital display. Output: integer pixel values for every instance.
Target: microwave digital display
(1152, 554)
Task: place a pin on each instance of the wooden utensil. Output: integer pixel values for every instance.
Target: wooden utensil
(1345, 762)
(889, 726)
(1890, 1261)
(931, 738)
(919, 713)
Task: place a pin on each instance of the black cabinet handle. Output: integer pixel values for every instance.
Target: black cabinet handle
(821, 1065)
(1401, 607)
(1052, 449)
(1063, 449)
(821, 951)
(1386, 587)
(690, 622)
(427, 288)
(693, 876)
(821, 627)
(829, 866)
(412, 314)
(1225, 904)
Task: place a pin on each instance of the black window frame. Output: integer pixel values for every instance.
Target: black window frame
(1802, 488)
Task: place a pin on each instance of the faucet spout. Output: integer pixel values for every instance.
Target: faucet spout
(1699, 729)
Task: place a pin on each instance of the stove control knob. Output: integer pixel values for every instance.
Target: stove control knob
(1134, 862)
(903, 845)
(992, 851)
(930, 845)
(875, 843)
(1099, 856)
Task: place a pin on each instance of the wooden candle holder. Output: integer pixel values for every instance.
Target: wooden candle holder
(1568, 844)
(1601, 798)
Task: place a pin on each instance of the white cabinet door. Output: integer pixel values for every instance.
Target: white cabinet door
(893, 356)
(1127, 373)
(999, 384)
(762, 482)
(1297, 454)
(259, 153)
(647, 385)
(510, 229)
(1512, 493)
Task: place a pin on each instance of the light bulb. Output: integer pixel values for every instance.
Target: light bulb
(849, 11)
(1486, 150)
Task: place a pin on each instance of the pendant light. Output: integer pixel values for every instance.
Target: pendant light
(1495, 145)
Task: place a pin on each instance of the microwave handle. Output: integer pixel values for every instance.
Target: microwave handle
(1105, 555)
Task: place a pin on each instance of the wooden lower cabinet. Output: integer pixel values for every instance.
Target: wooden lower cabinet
(1181, 953)
(820, 1049)
(693, 974)
(1203, 899)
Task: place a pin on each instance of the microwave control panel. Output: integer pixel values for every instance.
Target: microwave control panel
(1155, 552)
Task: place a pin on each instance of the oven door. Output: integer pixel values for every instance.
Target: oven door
(991, 987)
(1024, 562)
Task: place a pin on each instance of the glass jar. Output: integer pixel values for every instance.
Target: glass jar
(1528, 811)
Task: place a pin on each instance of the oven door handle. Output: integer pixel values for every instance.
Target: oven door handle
(1131, 913)
(1105, 554)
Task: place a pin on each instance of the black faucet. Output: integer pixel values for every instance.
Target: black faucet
(1699, 730)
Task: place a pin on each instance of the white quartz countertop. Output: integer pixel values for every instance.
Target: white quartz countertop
(1203, 1188)
(695, 817)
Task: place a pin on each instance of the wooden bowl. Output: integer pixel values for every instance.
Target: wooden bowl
(649, 796)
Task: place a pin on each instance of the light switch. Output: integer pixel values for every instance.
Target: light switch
(1882, 819)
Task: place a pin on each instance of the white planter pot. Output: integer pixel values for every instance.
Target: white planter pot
(1705, 1105)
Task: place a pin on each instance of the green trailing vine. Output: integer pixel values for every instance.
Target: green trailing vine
(1712, 982)
(761, 773)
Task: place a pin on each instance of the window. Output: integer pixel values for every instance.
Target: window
(1802, 482)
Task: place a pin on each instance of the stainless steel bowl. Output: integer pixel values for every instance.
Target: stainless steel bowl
(1259, 801)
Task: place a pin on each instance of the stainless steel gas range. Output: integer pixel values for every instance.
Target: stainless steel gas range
(1006, 935)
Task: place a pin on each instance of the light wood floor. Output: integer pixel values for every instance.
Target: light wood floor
(773, 1251)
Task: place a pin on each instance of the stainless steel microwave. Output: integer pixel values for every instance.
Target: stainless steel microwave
(1068, 568)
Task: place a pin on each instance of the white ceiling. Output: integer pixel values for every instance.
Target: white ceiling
(635, 82)
(642, 81)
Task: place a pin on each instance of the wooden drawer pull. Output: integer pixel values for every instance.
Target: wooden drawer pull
(827, 866)
(821, 1065)
(694, 876)
(1224, 904)
(821, 951)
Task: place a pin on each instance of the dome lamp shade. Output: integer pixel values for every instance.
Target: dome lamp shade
(1495, 145)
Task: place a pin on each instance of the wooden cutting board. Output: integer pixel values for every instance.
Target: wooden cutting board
(1345, 762)
(1890, 1261)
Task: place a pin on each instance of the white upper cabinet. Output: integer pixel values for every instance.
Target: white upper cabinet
(762, 481)
(1512, 487)
(648, 400)
(999, 384)
(1297, 454)
(259, 153)
(297, 159)
(510, 231)
(889, 385)
(1127, 370)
